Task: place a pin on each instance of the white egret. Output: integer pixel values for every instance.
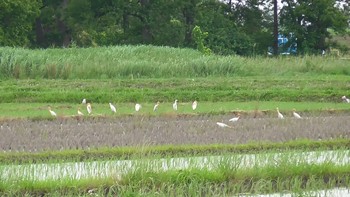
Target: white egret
(194, 105)
(235, 119)
(296, 115)
(156, 106)
(52, 112)
(175, 105)
(137, 107)
(279, 115)
(114, 110)
(89, 108)
(346, 100)
(83, 102)
(80, 113)
(223, 125)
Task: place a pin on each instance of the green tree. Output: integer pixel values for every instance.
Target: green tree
(310, 20)
(16, 21)
(199, 37)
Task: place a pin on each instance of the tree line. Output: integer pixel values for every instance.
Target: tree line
(243, 27)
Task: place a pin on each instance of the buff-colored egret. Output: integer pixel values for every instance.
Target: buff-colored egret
(235, 119)
(345, 99)
(223, 125)
(295, 114)
(194, 105)
(83, 102)
(114, 110)
(137, 107)
(52, 112)
(89, 108)
(80, 113)
(279, 115)
(175, 105)
(155, 108)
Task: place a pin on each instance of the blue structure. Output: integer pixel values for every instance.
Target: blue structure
(285, 47)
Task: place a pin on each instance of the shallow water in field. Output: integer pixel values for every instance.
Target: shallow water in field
(79, 170)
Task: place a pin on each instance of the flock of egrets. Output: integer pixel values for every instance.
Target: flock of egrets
(175, 104)
(114, 109)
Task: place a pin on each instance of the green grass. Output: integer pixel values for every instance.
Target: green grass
(167, 151)
(39, 111)
(153, 62)
(324, 88)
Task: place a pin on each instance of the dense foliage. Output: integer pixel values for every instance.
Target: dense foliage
(233, 27)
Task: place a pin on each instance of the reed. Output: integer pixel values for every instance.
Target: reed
(152, 62)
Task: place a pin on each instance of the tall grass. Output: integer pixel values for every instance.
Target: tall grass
(155, 62)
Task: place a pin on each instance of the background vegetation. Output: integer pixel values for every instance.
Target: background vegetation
(231, 27)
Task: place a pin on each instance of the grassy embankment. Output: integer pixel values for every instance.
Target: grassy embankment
(122, 153)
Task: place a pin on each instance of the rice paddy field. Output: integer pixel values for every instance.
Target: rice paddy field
(167, 152)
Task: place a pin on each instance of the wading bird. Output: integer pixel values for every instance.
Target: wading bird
(295, 114)
(137, 107)
(235, 119)
(156, 106)
(83, 102)
(279, 115)
(114, 110)
(223, 125)
(89, 108)
(175, 105)
(194, 105)
(346, 100)
(52, 112)
(80, 113)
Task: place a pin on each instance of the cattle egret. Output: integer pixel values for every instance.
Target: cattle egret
(88, 108)
(52, 112)
(175, 105)
(347, 100)
(296, 115)
(235, 119)
(137, 107)
(83, 102)
(194, 105)
(156, 106)
(114, 110)
(80, 113)
(223, 125)
(280, 116)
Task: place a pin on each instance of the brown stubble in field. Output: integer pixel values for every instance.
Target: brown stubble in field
(27, 135)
